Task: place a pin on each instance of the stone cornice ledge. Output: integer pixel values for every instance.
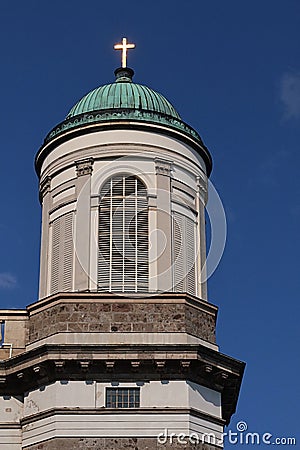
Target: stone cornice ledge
(13, 314)
(105, 297)
(120, 411)
(103, 363)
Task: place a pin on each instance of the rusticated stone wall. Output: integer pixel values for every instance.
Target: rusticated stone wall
(122, 317)
(116, 444)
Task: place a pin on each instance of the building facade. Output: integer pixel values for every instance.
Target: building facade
(119, 351)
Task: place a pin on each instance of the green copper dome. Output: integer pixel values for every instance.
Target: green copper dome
(121, 105)
(123, 94)
(123, 102)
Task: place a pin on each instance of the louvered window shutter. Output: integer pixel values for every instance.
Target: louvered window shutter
(62, 254)
(67, 254)
(55, 255)
(178, 242)
(123, 236)
(184, 254)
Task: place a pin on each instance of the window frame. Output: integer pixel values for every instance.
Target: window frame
(122, 397)
(123, 235)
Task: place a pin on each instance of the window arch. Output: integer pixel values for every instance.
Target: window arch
(123, 236)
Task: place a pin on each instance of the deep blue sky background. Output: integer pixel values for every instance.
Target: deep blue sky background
(232, 69)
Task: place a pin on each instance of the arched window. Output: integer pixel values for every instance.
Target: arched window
(123, 236)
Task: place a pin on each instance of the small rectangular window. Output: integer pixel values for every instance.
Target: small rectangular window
(122, 397)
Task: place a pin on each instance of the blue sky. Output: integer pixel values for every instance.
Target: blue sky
(232, 69)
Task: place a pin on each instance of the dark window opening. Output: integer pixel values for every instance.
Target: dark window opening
(122, 398)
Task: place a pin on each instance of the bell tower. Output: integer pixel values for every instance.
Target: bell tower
(123, 185)
(119, 351)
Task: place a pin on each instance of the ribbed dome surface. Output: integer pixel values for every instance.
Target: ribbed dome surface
(120, 105)
(123, 95)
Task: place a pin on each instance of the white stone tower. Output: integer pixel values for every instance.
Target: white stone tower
(121, 344)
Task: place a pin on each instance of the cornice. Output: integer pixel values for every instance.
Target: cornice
(118, 114)
(105, 363)
(124, 124)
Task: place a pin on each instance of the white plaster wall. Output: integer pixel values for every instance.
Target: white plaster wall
(63, 194)
(183, 210)
(204, 399)
(11, 409)
(183, 173)
(89, 394)
(99, 144)
(71, 394)
(140, 165)
(61, 211)
(62, 177)
(154, 394)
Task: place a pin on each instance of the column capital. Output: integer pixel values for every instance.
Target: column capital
(163, 167)
(84, 166)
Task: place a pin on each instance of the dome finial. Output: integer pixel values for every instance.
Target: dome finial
(124, 46)
(124, 74)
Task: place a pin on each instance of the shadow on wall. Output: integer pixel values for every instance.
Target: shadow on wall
(208, 395)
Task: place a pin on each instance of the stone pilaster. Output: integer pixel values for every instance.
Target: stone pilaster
(163, 170)
(45, 198)
(84, 169)
(201, 202)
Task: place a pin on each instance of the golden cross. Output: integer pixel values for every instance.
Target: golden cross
(124, 46)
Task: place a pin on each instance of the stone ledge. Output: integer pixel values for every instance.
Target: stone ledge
(134, 338)
(121, 411)
(49, 363)
(13, 314)
(140, 443)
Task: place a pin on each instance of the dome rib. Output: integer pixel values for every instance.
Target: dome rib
(151, 103)
(86, 102)
(156, 100)
(111, 97)
(94, 96)
(119, 95)
(136, 100)
(103, 94)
